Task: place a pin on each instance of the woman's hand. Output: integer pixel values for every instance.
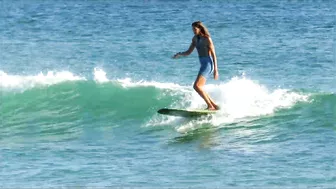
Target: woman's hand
(177, 55)
(216, 74)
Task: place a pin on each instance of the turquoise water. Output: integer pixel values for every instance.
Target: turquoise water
(81, 82)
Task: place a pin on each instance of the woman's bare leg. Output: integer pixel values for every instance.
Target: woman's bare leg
(198, 86)
(213, 103)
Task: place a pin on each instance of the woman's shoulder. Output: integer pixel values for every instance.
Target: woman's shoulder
(208, 38)
(195, 37)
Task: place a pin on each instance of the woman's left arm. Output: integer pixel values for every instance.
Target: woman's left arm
(212, 53)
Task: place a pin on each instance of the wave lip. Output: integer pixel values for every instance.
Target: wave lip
(21, 83)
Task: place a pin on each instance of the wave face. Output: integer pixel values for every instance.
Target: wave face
(63, 97)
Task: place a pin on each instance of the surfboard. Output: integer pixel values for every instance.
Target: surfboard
(185, 113)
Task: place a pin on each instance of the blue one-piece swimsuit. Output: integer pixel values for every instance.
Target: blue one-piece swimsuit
(207, 66)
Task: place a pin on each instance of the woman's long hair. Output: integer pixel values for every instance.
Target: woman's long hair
(203, 30)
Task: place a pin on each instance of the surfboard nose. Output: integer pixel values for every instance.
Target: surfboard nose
(163, 111)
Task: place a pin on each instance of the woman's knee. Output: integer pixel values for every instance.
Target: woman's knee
(197, 87)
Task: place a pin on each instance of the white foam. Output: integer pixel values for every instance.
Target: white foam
(127, 82)
(18, 82)
(100, 75)
(239, 98)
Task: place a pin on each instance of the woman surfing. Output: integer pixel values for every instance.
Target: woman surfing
(207, 57)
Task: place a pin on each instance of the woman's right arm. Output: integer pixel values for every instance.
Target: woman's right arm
(189, 51)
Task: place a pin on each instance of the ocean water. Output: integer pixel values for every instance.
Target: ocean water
(81, 81)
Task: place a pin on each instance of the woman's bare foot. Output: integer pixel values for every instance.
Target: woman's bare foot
(211, 108)
(215, 107)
